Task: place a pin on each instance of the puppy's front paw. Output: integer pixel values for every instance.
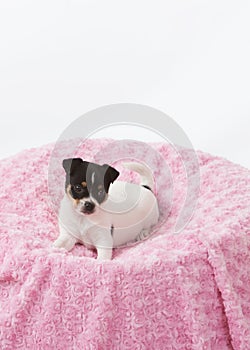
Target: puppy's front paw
(104, 254)
(65, 242)
(57, 244)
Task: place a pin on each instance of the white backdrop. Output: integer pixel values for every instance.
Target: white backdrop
(190, 59)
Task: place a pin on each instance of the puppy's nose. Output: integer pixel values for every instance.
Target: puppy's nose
(89, 206)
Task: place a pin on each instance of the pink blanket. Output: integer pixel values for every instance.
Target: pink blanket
(185, 291)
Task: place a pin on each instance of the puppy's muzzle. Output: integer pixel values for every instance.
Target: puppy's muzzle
(88, 208)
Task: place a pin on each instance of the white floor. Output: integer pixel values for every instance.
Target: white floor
(189, 59)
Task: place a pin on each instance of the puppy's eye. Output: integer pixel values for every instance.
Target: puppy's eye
(101, 192)
(78, 188)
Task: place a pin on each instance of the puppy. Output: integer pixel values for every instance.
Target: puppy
(103, 213)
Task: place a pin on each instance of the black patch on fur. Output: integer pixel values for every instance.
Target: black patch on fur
(75, 169)
(111, 174)
(112, 230)
(147, 187)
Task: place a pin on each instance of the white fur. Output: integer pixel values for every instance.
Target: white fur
(145, 172)
(130, 209)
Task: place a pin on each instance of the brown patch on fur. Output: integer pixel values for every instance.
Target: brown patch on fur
(68, 190)
(100, 187)
(84, 184)
(76, 202)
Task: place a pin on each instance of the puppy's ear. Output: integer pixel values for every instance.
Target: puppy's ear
(110, 176)
(71, 164)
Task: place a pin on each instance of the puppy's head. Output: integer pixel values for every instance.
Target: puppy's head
(87, 184)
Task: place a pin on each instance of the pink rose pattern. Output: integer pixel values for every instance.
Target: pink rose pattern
(186, 291)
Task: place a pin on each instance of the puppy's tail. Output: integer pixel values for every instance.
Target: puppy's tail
(147, 179)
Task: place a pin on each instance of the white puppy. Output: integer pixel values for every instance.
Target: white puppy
(101, 213)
